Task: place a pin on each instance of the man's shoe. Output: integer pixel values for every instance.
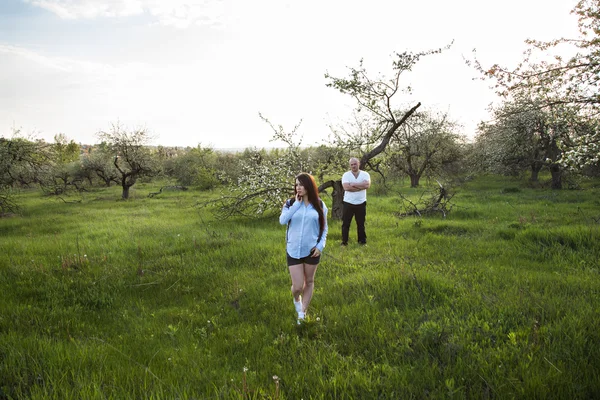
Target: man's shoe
(344, 244)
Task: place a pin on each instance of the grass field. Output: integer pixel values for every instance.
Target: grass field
(152, 298)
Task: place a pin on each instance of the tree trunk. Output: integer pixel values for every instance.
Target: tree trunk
(414, 180)
(535, 170)
(125, 194)
(534, 175)
(337, 197)
(555, 169)
(556, 172)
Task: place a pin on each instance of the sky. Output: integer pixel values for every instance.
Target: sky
(199, 72)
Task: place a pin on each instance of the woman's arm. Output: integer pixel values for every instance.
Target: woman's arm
(288, 211)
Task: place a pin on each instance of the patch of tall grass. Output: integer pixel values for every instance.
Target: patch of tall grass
(154, 298)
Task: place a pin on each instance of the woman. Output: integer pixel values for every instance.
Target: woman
(306, 216)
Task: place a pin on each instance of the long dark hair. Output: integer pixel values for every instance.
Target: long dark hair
(312, 191)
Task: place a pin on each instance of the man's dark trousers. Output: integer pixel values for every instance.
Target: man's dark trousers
(359, 212)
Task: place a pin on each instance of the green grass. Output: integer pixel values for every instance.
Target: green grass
(152, 298)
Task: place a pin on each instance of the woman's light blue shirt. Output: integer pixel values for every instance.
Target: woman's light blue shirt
(303, 231)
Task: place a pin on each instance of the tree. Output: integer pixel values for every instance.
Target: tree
(131, 156)
(265, 180)
(62, 170)
(99, 161)
(21, 161)
(197, 167)
(524, 135)
(264, 185)
(424, 144)
(64, 150)
(562, 83)
(376, 96)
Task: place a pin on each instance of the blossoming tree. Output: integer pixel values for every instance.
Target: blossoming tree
(567, 87)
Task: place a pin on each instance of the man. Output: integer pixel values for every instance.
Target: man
(355, 183)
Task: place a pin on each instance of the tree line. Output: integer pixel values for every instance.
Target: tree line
(546, 120)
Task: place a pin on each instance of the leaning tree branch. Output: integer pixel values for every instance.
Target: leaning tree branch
(387, 137)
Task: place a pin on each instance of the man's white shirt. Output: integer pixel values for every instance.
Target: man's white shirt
(360, 196)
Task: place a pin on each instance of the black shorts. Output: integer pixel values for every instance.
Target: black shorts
(304, 260)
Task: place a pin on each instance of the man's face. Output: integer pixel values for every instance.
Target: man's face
(354, 165)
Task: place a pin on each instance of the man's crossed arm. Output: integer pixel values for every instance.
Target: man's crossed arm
(356, 186)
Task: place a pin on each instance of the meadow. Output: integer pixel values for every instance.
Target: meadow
(152, 298)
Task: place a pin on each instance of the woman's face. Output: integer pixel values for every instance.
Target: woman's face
(300, 190)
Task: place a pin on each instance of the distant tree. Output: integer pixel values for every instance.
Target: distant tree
(197, 167)
(424, 145)
(82, 176)
(21, 161)
(562, 83)
(131, 156)
(523, 136)
(166, 153)
(230, 167)
(100, 162)
(64, 150)
(61, 172)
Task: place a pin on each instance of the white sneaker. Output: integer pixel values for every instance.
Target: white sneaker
(298, 305)
(301, 317)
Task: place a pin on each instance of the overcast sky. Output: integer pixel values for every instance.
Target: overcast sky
(199, 71)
